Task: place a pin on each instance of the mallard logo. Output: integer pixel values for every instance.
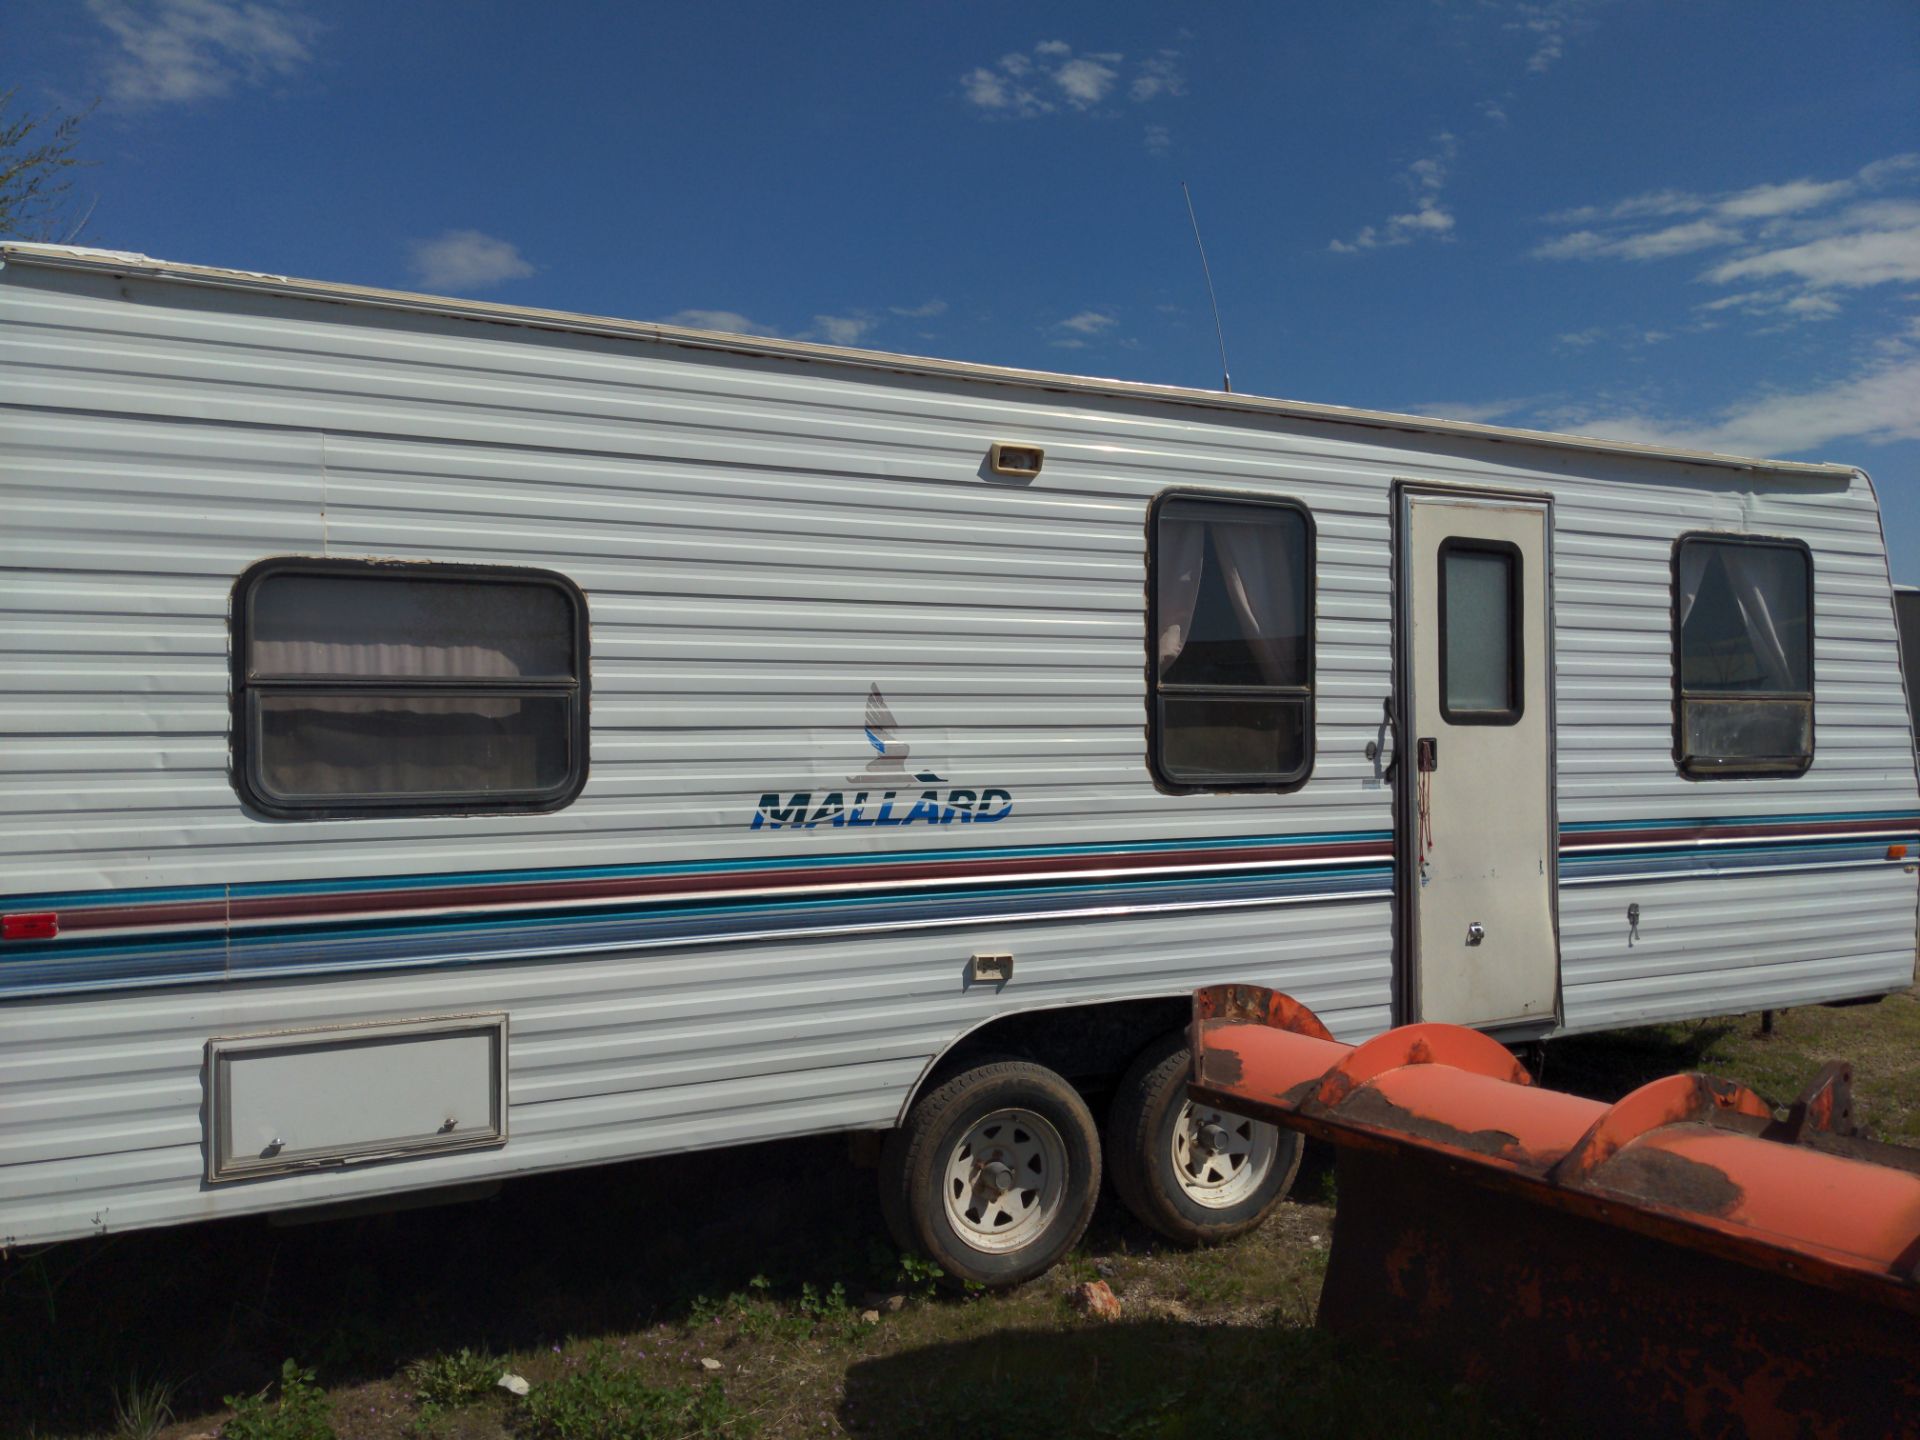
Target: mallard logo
(886, 792)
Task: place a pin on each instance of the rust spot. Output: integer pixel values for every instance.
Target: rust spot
(1297, 1095)
(1332, 1089)
(1369, 1107)
(1221, 1069)
(1670, 1180)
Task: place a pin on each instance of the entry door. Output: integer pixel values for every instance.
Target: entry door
(1476, 760)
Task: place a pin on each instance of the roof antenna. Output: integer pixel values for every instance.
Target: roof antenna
(1226, 379)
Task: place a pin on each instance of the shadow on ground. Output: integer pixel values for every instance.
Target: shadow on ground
(218, 1306)
(1206, 1381)
(1607, 1066)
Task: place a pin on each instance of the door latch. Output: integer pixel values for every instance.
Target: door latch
(1476, 932)
(1426, 754)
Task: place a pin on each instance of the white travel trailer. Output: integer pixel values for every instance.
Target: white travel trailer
(1906, 609)
(445, 741)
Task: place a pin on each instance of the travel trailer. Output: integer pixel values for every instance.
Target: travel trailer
(446, 741)
(1906, 609)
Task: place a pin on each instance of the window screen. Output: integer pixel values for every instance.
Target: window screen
(1744, 613)
(1231, 626)
(1480, 650)
(363, 687)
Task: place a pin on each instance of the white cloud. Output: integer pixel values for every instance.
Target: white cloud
(463, 260)
(1764, 201)
(1474, 412)
(1635, 207)
(1878, 405)
(181, 50)
(851, 328)
(1052, 76)
(1086, 79)
(1547, 27)
(1429, 219)
(988, 90)
(1796, 245)
(730, 321)
(1159, 75)
(1642, 245)
(842, 329)
(1158, 140)
(1630, 337)
(1849, 261)
(1089, 322)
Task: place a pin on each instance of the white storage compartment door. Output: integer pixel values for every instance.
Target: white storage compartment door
(296, 1100)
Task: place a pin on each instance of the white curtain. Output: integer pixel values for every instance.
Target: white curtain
(1758, 579)
(382, 660)
(1182, 551)
(1254, 566)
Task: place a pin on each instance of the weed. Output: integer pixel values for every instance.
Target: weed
(1078, 1265)
(918, 1276)
(446, 1382)
(142, 1411)
(600, 1402)
(301, 1413)
(830, 1306)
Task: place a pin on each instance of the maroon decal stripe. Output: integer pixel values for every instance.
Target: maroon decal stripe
(1797, 829)
(612, 890)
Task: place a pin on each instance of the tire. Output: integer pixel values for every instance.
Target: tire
(1166, 1174)
(950, 1177)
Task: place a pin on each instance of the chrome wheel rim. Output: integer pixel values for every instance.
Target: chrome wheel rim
(1221, 1159)
(1005, 1180)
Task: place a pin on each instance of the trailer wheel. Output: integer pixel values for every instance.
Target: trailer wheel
(1196, 1175)
(994, 1175)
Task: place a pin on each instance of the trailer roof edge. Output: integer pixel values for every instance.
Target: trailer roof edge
(121, 262)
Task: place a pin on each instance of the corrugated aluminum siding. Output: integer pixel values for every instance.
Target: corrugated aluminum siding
(762, 540)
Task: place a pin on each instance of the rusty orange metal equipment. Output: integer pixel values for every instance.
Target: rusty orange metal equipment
(1689, 1261)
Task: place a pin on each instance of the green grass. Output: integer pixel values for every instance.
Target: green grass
(143, 1409)
(607, 1293)
(299, 1411)
(1881, 1041)
(604, 1400)
(447, 1382)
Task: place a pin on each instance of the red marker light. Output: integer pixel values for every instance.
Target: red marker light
(1896, 852)
(43, 926)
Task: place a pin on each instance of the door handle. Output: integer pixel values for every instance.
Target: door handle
(1388, 731)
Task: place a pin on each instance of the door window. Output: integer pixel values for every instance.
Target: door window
(1480, 649)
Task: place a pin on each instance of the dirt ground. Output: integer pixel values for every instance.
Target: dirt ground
(694, 1296)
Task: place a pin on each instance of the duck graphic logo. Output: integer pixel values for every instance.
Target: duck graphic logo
(886, 792)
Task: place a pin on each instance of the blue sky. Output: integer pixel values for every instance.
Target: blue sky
(1696, 223)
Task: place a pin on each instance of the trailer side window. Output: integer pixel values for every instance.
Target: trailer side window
(1231, 628)
(372, 688)
(1743, 611)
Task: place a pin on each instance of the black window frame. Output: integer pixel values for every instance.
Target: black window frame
(1275, 784)
(1752, 768)
(245, 718)
(1516, 708)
